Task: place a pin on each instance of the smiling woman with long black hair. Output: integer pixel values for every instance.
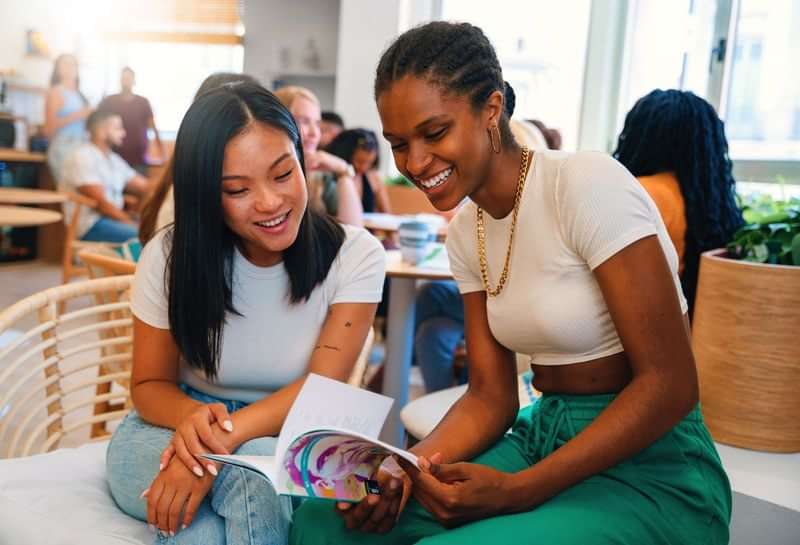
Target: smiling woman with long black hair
(233, 306)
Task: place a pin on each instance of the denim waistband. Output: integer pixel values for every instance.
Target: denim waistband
(231, 404)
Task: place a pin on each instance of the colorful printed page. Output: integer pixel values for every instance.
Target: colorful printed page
(326, 403)
(328, 446)
(334, 464)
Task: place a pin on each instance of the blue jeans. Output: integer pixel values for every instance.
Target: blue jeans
(108, 230)
(241, 507)
(438, 331)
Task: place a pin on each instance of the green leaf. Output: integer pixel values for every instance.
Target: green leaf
(760, 253)
(774, 218)
(777, 227)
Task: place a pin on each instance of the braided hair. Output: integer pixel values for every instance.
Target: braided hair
(677, 131)
(458, 57)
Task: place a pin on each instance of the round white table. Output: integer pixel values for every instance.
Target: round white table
(20, 195)
(24, 216)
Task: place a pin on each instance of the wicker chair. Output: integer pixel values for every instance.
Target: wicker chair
(72, 245)
(49, 376)
(66, 364)
(104, 262)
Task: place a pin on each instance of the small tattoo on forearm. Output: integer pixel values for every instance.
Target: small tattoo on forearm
(329, 347)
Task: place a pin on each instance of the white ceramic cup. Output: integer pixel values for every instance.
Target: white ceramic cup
(415, 240)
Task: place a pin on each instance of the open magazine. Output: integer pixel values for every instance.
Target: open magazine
(328, 446)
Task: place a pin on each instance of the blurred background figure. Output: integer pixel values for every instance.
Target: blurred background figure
(552, 137)
(330, 126)
(330, 178)
(359, 147)
(94, 170)
(674, 143)
(137, 118)
(66, 110)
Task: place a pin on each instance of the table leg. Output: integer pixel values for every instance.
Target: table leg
(399, 347)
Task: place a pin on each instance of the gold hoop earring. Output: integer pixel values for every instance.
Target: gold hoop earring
(496, 146)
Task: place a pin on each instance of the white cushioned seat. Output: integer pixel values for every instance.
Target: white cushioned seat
(62, 498)
(423, 414)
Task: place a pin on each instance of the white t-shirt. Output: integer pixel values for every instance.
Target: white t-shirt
(577, 211)
(270, 344)
(88, 165)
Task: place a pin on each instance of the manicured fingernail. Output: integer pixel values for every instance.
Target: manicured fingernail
(184, 527)
(171, 533)
(144, 493)
(227, 425)
(198, 471)
(152, 527)
(161, 467)
(212, 469)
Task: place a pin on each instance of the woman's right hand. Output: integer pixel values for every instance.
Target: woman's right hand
(378, 514)
(196, 435)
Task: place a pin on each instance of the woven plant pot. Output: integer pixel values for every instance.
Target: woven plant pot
(746, 340)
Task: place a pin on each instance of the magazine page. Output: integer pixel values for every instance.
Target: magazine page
(263, 465)
(334, 464)
(325, 403)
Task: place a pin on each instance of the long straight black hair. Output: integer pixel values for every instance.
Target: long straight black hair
(200, 261)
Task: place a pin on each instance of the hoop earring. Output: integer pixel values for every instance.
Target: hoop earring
(496, 146)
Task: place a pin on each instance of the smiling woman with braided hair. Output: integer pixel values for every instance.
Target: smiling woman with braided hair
(674, 142)
(564, 257)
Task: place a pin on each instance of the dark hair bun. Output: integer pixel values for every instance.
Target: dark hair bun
(510, 99)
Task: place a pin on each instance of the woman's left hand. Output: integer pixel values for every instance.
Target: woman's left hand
(174, 497)
(459, 493)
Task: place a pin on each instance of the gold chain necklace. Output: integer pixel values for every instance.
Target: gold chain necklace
(494, 292)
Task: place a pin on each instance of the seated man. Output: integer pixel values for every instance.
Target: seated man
(95, 171)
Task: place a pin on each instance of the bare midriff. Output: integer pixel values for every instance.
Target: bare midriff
(606, 375)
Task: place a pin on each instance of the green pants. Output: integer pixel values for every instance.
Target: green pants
(673, 492)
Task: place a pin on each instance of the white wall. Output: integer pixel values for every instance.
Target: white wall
(67, 27)
(366, 28)
(277, 33)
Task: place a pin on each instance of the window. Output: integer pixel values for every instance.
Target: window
(541, 46)
(738, 55)
(668, 45)
(168, 74)
(762, 106)
(172, 45)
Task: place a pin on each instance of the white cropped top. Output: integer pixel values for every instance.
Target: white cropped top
(577, 211)
(269, 344)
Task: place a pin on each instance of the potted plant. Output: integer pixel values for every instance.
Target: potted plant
(772, 233)
(746, 331)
